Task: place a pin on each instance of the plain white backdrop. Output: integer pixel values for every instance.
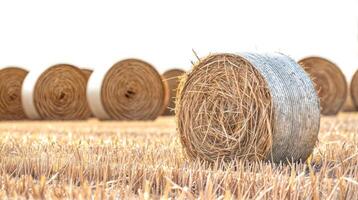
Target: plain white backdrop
(94, 34)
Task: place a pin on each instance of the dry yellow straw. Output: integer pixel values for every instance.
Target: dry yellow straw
(248, 106)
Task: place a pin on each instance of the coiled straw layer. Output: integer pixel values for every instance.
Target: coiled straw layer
(130, 90)
(57, 93)
(10, 93)
(172, 78)
(330, 83)
(247, 106)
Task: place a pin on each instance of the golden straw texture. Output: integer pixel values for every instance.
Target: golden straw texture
(247, 107)
(60, 94)
(11, 79)
(172, 78)
(133, 90)
(330, 83)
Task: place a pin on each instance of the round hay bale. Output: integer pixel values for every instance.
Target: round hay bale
(354, 90)
(247, 106)
(130, 90)
(56, 93)
(329, 81)
(172, 78)
(10, 93)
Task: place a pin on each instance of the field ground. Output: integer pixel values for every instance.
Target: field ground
(78, 160)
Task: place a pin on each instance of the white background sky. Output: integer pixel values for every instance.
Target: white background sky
(37, 33)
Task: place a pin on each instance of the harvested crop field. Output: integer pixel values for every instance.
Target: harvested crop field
(83, 159)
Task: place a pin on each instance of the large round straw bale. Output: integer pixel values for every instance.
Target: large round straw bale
(172, 78)
(56, 93)
(330, 83)
(11, 79)
(130, 90)
(248, 106)
(354, 90)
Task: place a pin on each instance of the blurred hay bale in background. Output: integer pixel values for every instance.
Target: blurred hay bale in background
(330, 83)
(172, 78)
(10, 93)
(348, 105)
(354, 90)
(56, 93)
(131, 89)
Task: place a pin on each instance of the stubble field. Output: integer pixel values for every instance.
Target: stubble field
(145, 160)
